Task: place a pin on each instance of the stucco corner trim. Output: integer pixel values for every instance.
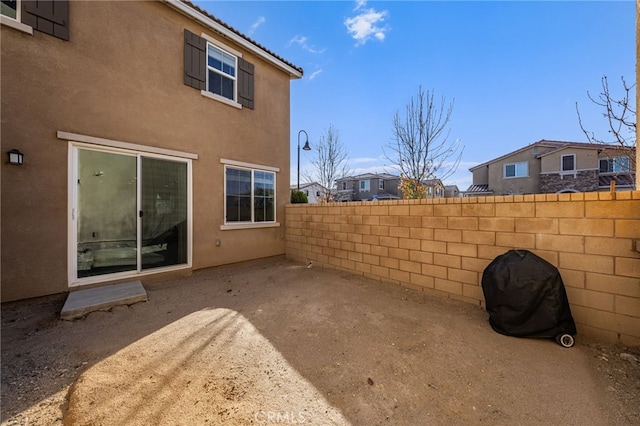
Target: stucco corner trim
(5, 20)
(250, 165)
(74, 137)
(230, 227)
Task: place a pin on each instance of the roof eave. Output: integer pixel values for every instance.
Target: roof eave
(208, 22)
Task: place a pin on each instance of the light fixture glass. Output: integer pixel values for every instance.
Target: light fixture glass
(15, 157)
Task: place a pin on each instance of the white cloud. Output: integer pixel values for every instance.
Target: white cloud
(261, 20)
(361, 160)
(315, 74)
(302, 42)
(367, 24)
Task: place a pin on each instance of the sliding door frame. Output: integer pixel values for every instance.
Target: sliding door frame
(72, 223)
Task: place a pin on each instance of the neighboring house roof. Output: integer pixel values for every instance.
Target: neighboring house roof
(573, 146)
(307, 185)
(479, 189)
(557, 145)
(451, 188)
(385, 176)
(205, 18)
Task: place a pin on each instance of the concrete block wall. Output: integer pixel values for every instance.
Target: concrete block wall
(442, 246)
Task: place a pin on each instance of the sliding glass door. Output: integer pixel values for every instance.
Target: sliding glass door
(163, 213)
(130, 212)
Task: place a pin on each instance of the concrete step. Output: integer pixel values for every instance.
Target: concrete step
(80, 303)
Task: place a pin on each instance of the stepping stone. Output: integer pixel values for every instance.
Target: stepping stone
(80, 303)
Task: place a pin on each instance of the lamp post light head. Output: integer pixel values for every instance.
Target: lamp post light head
(306, 147)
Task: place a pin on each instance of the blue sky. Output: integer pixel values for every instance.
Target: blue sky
(515, 70)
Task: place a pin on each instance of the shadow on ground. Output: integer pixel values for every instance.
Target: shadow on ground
(273, 342)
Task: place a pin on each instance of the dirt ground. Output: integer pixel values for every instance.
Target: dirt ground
(275, 342)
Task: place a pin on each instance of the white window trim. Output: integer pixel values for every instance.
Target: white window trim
(231, 102)
(221, 45)
(614, 161)
(381, 184)
(219, 98)
(15, 23)
(504, 170)
(569, 171)
(227, 226)
(67, 136)
(250, 165)
(360, 189)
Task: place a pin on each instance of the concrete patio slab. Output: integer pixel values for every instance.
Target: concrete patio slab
(80, 303)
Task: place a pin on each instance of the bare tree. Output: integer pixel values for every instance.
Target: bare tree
(621, 119)
(329, 164)
(420, 149)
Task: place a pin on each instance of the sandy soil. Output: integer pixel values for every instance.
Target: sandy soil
(274, 342)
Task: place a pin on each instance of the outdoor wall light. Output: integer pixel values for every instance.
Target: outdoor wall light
(306, 147)
(15, 157)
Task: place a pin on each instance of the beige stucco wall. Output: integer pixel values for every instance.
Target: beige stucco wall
(481, 175)
(523, 185)
(120, 77)
(442, 246)
(585, 159)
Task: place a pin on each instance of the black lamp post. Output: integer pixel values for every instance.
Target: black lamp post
(306, 147)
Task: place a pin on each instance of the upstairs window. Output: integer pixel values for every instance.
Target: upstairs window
(47, 16)
(380, 184)
(10, 9)
(221, 72)
(568, 163)
(218, 71)
(615, 165)
(344, 185)
(516, 170)
(365, 186)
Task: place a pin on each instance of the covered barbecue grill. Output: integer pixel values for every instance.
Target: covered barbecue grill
(525, 297)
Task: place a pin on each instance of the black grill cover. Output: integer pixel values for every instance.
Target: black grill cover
(525, 296)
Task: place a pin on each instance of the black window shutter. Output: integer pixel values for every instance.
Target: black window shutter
(245, 83)
(195, 56)
(50, 16)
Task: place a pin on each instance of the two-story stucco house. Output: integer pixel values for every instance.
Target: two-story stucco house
(380, 186)
(315, 192)
(555, 167)
(154, 140)
(367, 187)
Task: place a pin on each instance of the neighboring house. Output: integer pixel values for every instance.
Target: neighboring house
(555, 167)
(451, 191)
(435, 188)
(380, 186)
(155, 141)
(315, 192)
(367, 187)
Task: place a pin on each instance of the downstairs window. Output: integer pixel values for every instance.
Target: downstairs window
(249, 195)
